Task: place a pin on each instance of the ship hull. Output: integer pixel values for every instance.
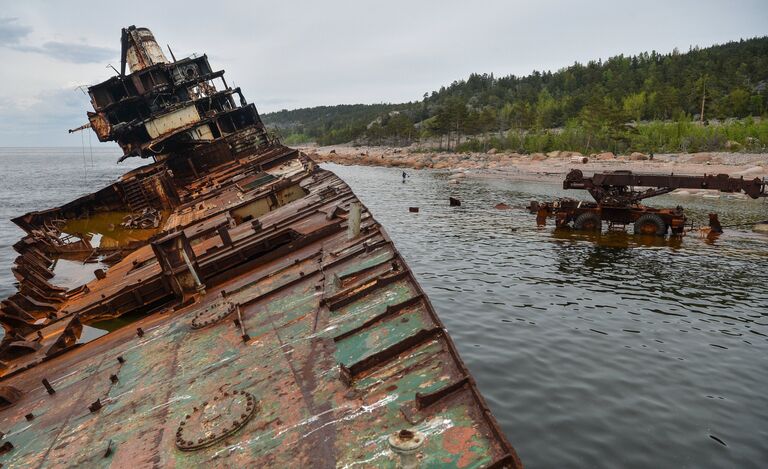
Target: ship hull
(268, 279)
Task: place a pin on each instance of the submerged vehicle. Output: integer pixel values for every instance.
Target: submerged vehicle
(233, 305)
(617, 201)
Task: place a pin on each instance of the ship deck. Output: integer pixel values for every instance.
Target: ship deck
(324, 328)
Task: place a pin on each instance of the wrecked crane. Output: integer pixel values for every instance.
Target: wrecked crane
(618, 196)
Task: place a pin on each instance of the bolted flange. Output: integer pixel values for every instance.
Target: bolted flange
(406, 444)
(214, 420)
(213, 314)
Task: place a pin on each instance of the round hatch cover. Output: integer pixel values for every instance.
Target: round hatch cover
(212, 314)
(215, 420)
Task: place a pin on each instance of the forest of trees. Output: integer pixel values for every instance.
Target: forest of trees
(650, 102)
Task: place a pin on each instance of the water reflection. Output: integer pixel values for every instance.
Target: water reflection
(618, 239)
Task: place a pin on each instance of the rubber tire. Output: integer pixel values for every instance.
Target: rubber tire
(648, 220)
(583, 222)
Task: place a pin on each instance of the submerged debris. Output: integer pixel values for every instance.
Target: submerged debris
(618, 195)
(144, 220)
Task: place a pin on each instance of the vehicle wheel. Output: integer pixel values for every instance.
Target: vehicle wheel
(650, 224)
(588, 221)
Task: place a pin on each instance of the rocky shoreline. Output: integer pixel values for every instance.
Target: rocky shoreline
(541, 166)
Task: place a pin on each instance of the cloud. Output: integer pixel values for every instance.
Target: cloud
(11, 34)
(44, 118)
(275, 101)
(71, 52)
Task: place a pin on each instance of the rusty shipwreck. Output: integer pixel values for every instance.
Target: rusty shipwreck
(247, 310)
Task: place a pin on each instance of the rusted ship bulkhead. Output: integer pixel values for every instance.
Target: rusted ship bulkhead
(237, 306)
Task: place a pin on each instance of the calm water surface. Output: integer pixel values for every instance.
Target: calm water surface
(609, 352)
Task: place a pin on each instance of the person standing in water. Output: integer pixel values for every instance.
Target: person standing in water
(404, 176)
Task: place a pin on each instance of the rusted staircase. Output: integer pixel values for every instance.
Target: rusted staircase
(134, 195)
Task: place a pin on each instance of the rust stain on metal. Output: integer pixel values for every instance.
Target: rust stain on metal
(618, 199)
(248, 310)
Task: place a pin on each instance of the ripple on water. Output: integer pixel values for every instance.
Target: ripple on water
(592, 352)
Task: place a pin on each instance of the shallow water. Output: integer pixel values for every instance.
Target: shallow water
(42, 178)
(592, 352)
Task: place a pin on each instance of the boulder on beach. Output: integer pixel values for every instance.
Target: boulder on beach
(637, 156)
(700, 158)
(538, 157)
(555, 154)
(492, 151)
(502, 206)
(608, 155)
(579, 159)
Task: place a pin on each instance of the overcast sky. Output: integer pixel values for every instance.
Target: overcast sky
(289, 54)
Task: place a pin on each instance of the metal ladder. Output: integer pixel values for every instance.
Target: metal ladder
(135, 197)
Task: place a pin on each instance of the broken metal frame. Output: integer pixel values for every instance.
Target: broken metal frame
(333, 336)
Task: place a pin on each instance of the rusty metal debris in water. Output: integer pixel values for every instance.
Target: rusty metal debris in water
(247, 310)
(618, 199)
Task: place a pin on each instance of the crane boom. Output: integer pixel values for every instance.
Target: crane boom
(617, 187)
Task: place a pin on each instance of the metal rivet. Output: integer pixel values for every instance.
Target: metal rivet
(95, 405)
(108, 452)
(48, 387)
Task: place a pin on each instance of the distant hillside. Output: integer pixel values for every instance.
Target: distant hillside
(596, 101)
(340, 123)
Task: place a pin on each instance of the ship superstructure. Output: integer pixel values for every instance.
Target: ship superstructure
(173, 108)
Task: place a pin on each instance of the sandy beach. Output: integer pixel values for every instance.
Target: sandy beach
(539, 166)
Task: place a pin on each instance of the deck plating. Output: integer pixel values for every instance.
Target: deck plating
(307, 312)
